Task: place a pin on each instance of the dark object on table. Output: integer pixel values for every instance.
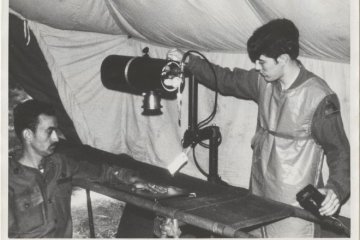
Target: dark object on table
(310, 199)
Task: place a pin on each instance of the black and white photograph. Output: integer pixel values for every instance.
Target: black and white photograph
(180, 119)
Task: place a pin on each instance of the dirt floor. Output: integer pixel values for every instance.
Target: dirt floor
(106, 211)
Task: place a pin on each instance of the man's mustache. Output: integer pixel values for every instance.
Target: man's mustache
(53, 145)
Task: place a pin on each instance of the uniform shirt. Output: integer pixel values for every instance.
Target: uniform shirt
(327, 126)
(39, 203)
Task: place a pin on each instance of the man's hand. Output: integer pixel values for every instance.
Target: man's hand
(132, 179)
(331, 203)
(175, 55)
(140, 184)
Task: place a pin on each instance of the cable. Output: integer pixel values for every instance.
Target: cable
(197, 164)
(207, 145)
(213, 113)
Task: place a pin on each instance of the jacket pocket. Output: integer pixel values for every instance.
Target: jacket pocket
(29, 212)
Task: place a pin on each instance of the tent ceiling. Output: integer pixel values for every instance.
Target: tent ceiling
(218, 25)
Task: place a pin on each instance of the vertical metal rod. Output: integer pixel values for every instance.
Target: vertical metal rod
(213, 155)
(193, 104)
(90, 214)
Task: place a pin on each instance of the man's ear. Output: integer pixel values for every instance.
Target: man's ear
(283, 59)
(27, 134)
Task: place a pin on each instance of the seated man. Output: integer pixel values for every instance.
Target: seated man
(40, 179)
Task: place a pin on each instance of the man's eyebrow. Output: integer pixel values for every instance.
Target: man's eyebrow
(52, 128)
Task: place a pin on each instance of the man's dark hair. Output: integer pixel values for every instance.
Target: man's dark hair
(276, 37)
(26, 115)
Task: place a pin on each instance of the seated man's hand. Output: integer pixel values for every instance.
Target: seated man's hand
(132, 179)
(140, 184)
(331, 203)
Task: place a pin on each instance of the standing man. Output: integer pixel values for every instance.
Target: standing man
(40, 179)
(299, 123)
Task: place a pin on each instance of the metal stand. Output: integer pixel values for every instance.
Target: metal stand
(90, 214)
(193, 135)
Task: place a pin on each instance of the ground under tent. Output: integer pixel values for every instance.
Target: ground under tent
(74, 42)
